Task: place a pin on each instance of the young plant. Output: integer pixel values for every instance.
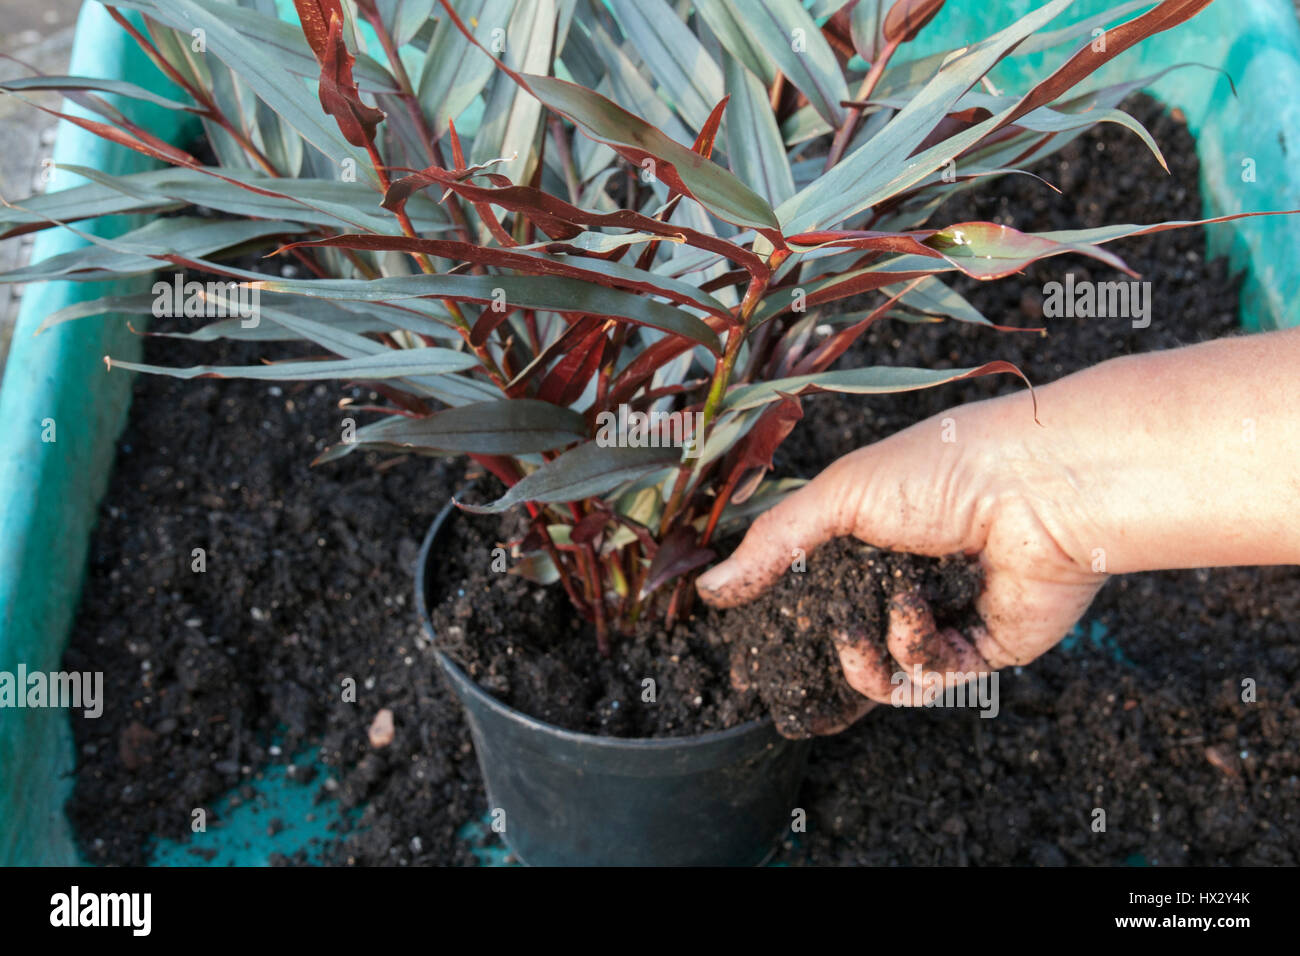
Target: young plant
(588, 245)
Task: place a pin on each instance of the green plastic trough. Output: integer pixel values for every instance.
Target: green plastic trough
(50, 490)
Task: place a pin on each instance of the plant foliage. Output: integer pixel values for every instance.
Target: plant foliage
(553, 234)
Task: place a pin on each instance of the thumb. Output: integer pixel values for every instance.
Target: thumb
(799, 523)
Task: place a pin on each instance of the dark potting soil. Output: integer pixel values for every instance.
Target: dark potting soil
(525, 645)
(501, 630)
(308, 574)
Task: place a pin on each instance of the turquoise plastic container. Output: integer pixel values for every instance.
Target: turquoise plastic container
(50, 492)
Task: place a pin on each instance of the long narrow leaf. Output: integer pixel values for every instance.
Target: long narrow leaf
(392, 363)
(582, 472)
(505, 427)
(531, 292)
(858, 381)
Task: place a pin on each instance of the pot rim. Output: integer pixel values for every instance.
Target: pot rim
(708, 738)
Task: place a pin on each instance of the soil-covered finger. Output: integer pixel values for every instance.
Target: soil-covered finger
(790, 638)
(867, 665)
(919, 644)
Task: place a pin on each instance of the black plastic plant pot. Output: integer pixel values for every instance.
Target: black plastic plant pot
(570, 799)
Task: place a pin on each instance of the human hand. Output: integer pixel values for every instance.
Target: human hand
(977, 480)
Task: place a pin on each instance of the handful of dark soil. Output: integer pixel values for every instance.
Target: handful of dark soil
(783, 647)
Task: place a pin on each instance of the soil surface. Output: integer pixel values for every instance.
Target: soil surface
(501, 630)
(211, 675)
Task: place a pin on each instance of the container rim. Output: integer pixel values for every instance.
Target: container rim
(458, 675)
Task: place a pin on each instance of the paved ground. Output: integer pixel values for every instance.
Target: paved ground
(38, 32)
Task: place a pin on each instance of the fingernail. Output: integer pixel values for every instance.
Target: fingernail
(849, 637)
(714, 578)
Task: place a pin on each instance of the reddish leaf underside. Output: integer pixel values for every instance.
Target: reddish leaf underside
(565, 383)
(678, 554)
(315, 16)
(906, 18)
(1088, 59)
(339, 96)
(754, 457)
